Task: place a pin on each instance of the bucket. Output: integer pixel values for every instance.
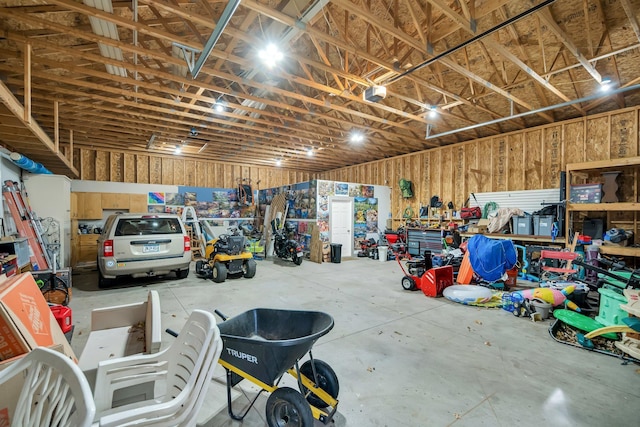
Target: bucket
(512, 278)
(382, 253)
(542, 307)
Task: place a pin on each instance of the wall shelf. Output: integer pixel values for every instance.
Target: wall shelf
(520, 237)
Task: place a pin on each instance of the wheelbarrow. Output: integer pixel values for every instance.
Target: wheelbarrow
(261, 345)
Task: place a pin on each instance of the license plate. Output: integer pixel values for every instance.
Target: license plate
(147, 249)
(299, 254)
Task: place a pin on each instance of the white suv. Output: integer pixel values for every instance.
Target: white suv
(143, 245)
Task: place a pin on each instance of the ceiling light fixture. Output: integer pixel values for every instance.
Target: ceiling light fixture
(278, 162)
(433, 111)
(606, 84)
(356, 137)
(271, 55)
(178, 150)
(310, 152)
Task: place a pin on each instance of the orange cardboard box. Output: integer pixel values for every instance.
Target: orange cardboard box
(26, 321)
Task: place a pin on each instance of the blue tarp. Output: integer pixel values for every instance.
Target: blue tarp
(490, 258)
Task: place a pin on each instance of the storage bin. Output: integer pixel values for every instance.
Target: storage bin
(521, 225)
(542, 225)
(585, 193)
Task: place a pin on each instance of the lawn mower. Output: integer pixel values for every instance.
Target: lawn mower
(368, 248)
(226, 256)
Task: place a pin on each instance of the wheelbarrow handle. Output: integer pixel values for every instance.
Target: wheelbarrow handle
(171, 332)
(222, 316)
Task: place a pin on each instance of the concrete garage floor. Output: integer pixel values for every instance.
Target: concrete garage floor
(402, 359)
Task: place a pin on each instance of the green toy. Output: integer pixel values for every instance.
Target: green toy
(582, 322)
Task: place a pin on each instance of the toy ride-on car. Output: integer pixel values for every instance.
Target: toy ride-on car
(226, 256)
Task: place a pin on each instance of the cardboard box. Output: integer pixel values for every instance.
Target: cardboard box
(26, 321)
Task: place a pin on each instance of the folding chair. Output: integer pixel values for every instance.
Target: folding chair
(563, 272)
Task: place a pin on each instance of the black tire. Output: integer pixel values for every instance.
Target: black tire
(327, 381)
(199, 266)
(249, 268)
(297, 260)
(287, 408)
(408, 284)
(219, 273)
(102, 281)
(182, 274)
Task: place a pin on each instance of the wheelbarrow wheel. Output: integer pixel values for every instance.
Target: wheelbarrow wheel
(286, 407)
(219, 273)
(327, 381)
(199, 266)
(408, 284)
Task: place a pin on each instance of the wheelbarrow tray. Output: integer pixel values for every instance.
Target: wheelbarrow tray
(264, 343)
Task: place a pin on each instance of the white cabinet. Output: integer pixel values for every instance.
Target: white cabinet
(50, 196)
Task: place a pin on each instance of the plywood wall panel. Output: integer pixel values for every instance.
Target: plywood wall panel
(88, 165)
(485, 167)
(552, 154)
(574, 148)
(155, 170)
(102, 166)
(472, 174)
(533, 159)
(116, 165)
(446, 175)
(499, 167)
(515, 162)
(178, 171)
(624, 135)
(190, 175)
(167, 171)
(142, 169)
(129, 167)
(597, 139)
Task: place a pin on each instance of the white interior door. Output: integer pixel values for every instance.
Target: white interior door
(341, 223)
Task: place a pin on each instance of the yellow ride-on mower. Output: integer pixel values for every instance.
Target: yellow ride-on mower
(226, 256)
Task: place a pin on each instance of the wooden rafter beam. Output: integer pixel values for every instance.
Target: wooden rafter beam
(631, 15)
(547, 18)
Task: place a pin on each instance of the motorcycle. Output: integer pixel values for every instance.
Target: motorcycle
(283, 246)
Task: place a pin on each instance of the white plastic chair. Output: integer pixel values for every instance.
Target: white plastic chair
(181, 375)
(55, 392)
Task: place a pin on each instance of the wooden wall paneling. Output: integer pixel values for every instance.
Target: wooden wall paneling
(155, 170)
(533, 159)
(597, 139)
(446, 175)
(499, 168)
(201, 174)
(167, 171)
(77, 160)
(573, 142)
(485, 165)
(142, 169)
(472, 172)
(624, 134)
(459, 175)
(191, 177)
(102, 166)
(435, 167)
(129, 167)
(212, 178)
(88, 165)
(552, 156)
(421, 181)
(178, 172)
(116, 166)
(515, 165)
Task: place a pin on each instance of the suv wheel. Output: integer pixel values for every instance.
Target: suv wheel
(182, 274)
(102, 281)
(219, 273)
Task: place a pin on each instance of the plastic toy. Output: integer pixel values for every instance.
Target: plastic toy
(552, 296)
